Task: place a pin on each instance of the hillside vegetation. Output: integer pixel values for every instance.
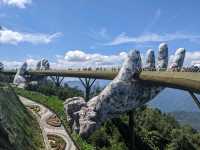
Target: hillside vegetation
(19, 130)
(154, 130)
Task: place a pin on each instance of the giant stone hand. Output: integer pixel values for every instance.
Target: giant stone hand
(20, 79)
(124, 93)
(43, 64)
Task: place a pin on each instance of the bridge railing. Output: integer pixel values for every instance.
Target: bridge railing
(185, 79)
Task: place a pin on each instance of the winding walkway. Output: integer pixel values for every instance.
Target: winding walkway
(42, 116)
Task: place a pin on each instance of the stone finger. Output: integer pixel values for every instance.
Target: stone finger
(178, 59)
(131, 66)
(150, 60)
(162, 56)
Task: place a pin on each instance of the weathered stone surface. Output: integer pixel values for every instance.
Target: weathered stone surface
(124, 93)
(150, 60)
(162, 56)
(20, 79)
(178, 58)
(73, 105)
(43, 65)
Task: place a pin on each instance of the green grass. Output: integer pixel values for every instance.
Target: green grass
(56, 105)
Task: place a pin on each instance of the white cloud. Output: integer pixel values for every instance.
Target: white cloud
(80, 58)
(32, 62)
(76, 55)
(99, 35)
(12, 37)
(123, 38)
(9, 64)
(72, 59)
(191, 58)
(193, 55)
(16, 3)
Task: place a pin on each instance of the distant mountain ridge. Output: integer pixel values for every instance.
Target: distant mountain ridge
(171, 100)
(191, 118)
(78, 84)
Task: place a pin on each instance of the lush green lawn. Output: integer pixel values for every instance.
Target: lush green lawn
(57, 106)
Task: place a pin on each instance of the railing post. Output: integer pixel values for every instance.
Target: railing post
(57, 80)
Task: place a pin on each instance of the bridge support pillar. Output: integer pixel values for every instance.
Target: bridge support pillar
(195, 99)
(57, 80)
(87, 85)
(131, 144)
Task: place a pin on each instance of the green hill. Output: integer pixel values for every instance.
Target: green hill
(155, 130)
(18, 128)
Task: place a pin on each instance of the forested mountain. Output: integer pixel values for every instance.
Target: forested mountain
(191, 118)
(171, 100)
(155, 130)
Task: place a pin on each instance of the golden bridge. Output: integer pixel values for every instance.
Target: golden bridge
(189, 81)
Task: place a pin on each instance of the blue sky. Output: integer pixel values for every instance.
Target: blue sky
(33, 29)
